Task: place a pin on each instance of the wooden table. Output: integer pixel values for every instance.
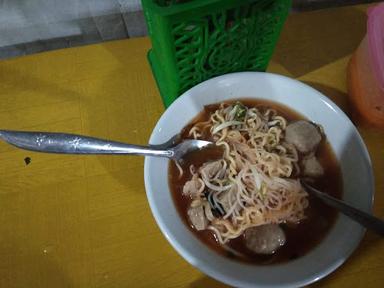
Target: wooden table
(78, 221)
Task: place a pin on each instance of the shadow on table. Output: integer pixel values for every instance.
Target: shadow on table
(311, 40)
(206, 281)
(339, 97)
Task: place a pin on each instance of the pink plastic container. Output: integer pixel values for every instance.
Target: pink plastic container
(366, 72)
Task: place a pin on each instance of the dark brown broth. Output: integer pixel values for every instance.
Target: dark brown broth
(302, 237)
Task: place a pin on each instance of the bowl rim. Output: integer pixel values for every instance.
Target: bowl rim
(194, 261)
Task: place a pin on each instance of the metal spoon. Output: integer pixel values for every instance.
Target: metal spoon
(77, 144)
(365, 219)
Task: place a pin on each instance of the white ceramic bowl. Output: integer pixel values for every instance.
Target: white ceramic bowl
(344, 139)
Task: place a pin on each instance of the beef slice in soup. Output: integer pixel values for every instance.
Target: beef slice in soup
(213, 169)
(264, 239)
(303, 135)
(192, 187)
(197, 217)
(312, 167)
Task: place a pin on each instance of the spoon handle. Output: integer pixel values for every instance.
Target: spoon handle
(75, 144)
(365, 219)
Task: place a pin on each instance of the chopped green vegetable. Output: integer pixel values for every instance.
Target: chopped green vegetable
(227, 182)
(241, 111)
(263, 191)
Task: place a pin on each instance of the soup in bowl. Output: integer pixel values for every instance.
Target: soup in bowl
(239, 213)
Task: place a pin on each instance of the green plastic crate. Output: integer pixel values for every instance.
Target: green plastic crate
(198, 39)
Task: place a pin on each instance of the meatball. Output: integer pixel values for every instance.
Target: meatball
(312, 167)
(193, 187)
(303, 135)
(264, 239)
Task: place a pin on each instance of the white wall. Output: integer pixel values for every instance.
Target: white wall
(28, 26)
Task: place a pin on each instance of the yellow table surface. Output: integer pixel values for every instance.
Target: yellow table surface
(84, 221)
